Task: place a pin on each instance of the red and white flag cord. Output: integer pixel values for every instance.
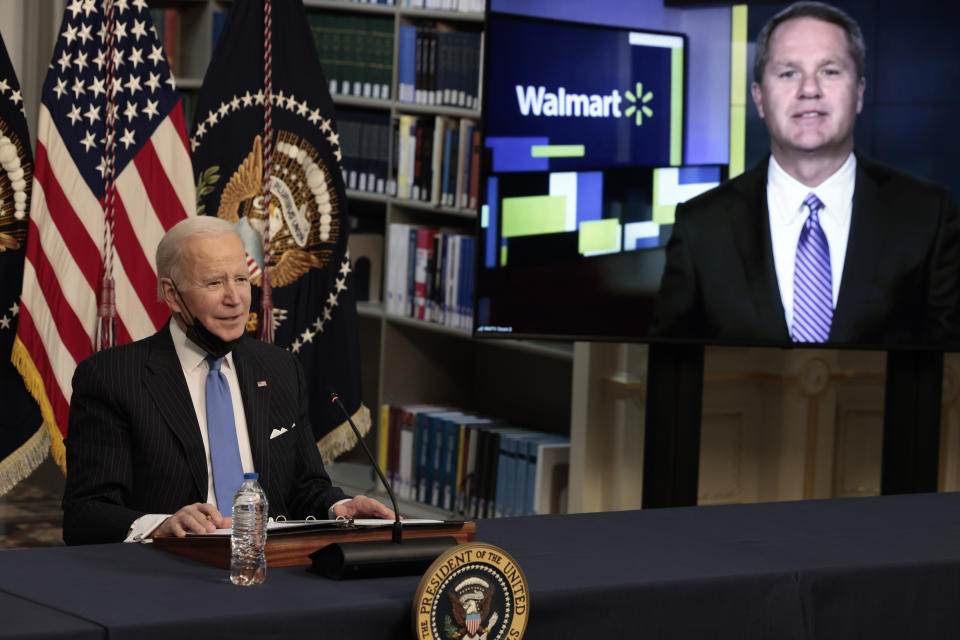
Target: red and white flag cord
(106, 331)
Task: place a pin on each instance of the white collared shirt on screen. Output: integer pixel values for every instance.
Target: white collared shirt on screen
(785, 196)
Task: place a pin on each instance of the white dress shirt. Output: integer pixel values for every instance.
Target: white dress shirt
(785, 196)
(195, 369)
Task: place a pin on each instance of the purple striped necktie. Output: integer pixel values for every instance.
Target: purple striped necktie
(812, 280)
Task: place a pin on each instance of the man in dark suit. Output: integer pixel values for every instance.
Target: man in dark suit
(815, 244)
(144, 451)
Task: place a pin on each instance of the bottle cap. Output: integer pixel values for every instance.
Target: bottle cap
(251, 476)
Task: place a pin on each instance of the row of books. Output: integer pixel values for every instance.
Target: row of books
(476, 466)
(430, 275)
(437, 160)
(365, 144)
(439, 65)
(356, 52)
(463, 6)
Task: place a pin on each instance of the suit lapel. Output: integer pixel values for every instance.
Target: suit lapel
(256, 403)
(751, 229)
(168, 388)
(869, 227)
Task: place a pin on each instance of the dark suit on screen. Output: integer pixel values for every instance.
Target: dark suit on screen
(134, 445)
(901, 274)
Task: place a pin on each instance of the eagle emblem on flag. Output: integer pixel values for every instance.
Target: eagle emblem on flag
(303, 204)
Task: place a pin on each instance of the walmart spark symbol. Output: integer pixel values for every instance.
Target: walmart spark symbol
(640, 109)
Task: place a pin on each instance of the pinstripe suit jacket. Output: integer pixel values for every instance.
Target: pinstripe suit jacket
(134, 444)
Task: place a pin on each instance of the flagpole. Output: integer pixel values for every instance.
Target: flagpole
(106, 334)
(266, 291)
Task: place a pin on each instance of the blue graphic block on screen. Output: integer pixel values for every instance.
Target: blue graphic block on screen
(589, 195)
(515, 153)
(698, 175)
(490, 221)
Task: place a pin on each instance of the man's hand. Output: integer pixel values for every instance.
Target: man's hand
(196, 518)
(363, 507)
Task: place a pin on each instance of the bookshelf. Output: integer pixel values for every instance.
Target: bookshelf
(405, 360)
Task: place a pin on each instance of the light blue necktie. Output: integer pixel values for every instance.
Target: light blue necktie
(222, 433)
(812, 280)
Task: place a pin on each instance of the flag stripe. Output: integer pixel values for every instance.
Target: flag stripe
(167, 209)
(74, 335)
(29, 335)
(59, 210)
(45, 242)
(179, 121)
(60, 363)
(173, 154)
(82, 200)
(136, 285)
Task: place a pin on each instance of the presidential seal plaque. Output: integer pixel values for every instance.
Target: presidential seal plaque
(473, 591)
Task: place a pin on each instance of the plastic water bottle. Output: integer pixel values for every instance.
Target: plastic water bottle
(248, 563)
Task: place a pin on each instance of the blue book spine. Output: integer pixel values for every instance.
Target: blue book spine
(406, 65)
(425, 443)
(445, 175)
(533, 444)
(452, 428)
(466, 304)
(438, 433)
(467, 160)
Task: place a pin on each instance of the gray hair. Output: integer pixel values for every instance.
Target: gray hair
(821, 11)
(171, 245)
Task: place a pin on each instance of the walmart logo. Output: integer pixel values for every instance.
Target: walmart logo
(639, 106)
(538, 102)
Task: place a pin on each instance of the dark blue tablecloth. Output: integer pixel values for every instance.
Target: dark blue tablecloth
(885, 567)
(21, 618)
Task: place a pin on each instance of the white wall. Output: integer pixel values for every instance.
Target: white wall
(11, 27)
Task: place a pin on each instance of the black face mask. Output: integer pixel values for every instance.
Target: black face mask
(203, 337)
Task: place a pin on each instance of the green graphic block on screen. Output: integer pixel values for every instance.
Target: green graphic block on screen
(533, 215)
(558, 151)
(599, 235)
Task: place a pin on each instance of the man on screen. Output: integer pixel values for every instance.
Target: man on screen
(815, 244)
(163, 429)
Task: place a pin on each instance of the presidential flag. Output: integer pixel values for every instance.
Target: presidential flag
(293, 150)
(91, 241)
(23, 438)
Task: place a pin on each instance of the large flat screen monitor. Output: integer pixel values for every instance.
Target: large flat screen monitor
(580, 235)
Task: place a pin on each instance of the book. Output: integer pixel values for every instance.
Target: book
(171, 39)
(407, 63)
(476, 150)
(465, 151)
(398, 241)
(425, 252)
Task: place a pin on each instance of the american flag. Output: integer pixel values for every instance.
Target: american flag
(99, 54)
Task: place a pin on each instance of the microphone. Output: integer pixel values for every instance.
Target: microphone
(377, 558)
(397, 526)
